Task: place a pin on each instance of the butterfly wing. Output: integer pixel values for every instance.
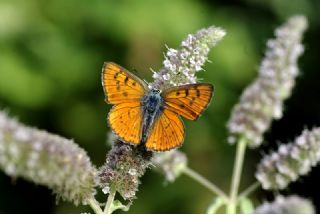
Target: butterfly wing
(188, 101)
(125, 120)
(167, 132)
(120, 85)
(125, 90)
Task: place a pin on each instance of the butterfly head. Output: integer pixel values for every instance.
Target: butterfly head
(152, 101)
(155, 91)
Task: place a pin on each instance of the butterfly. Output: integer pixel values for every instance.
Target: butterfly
(150, 117)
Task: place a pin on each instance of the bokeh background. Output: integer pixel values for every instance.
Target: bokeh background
(51, 55)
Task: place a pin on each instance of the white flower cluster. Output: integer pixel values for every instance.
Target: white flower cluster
(262, 100)
(180, 66)
(287, 205)
(171, 163)
(277, 170)
(46, 159)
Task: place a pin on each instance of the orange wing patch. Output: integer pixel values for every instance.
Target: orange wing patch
(188, 101)
(125, 120)
(167, 132)
(120, 85)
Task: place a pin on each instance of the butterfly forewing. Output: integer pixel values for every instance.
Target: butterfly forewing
(188, 101)
(125, 120)
(120, 85)
(167, 132)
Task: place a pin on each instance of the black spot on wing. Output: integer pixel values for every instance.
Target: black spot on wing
(198, 93)
(115, 75)
(118, 85)
(126, 80)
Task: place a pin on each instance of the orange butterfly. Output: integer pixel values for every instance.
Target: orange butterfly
(147, 116)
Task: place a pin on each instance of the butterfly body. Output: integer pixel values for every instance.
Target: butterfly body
(148, 117)
(152, 107)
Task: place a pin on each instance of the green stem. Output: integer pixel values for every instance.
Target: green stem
(206, 183)
(94, 204)
(249, 190)
(236, 176)
(108, 207)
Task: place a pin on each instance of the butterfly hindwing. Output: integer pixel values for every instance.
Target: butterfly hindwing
(167, 132)
(125, 120)
(188, 101)
(120, 85)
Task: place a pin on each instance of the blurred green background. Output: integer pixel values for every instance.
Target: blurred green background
(51, 55)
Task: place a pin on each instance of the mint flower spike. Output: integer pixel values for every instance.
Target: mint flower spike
(289, 205)
(46, 159)
(262, 100)
(181, 66)
(277, 170)
(171, 163)
(124, 166)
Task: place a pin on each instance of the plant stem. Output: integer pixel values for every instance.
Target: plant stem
(236, 176)
(107, 208)
(206, 183)
(249, 190)
(95, 206)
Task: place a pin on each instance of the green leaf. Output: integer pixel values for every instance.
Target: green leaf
(118, 205)
(246, 206)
